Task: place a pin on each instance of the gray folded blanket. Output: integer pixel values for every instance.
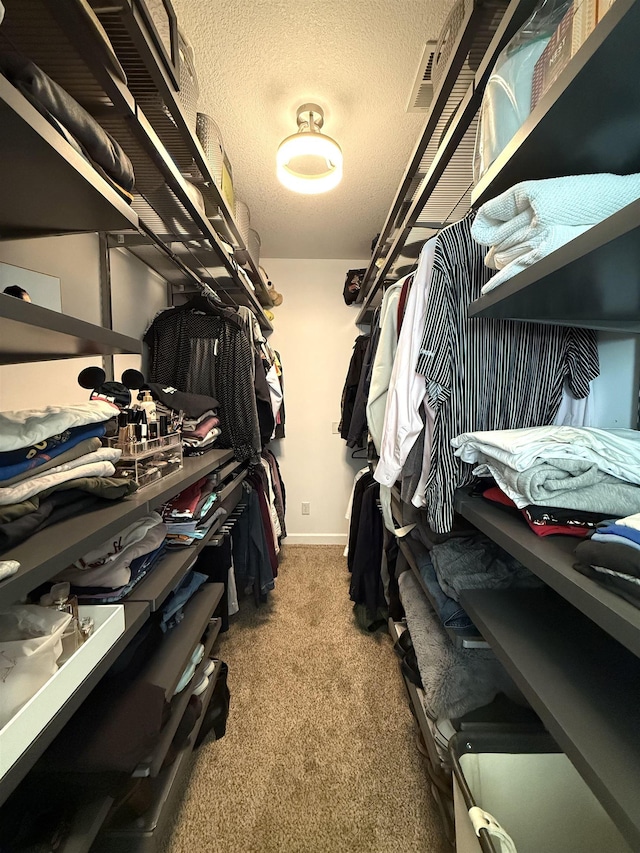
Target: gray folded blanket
(52, 100)
(568, 484)
(476, 562)
(455, 681)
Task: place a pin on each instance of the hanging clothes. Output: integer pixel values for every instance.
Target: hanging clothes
(202, 348)
(351, 383)
(279, 431)
(484, 374)
(358, 429)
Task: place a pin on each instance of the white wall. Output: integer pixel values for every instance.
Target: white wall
(314, 333)
(137, 293)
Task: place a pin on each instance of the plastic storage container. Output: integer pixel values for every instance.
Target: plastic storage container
(23, 728)
(149, 461)
(243, 218)
(211, 140)
(189, 89)
(254, 245)
(533, 791)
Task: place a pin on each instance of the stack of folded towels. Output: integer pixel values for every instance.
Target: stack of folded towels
(612, 557)
(190, 515)
(566, 479)
(534, 218)
(53, 466)
(109, 572)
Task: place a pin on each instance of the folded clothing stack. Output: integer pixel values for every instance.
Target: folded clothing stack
(534, 218)
(190, 515)
(549, 520)
(200, 435)
(53, 466)
(109, 572)
(612, 557)
(71, 120)
(583, 469)
(197, 414)
(455, 681)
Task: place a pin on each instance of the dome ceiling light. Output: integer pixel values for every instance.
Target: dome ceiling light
(309, 162)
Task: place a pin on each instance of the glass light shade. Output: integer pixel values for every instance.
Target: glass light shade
(312, 144)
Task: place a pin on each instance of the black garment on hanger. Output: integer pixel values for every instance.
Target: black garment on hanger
(366, 580)
(351, 383)
(280, 428)
(358, 493)
(201, 348)
(358, 430)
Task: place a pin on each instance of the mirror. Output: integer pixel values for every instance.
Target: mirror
(44, 290)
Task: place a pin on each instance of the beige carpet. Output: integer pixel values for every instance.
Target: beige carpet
(320, 750)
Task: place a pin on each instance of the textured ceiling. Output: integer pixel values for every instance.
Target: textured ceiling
(259, 60)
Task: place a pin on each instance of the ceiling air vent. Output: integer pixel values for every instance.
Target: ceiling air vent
(422, 92)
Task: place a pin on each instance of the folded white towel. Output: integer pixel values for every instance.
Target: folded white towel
(534, 218)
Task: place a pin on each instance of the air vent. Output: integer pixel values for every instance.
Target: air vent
(422, 92)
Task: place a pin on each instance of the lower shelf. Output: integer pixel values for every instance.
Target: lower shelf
(135, 615)
(460, 641)
(584, 685)
(147, 833)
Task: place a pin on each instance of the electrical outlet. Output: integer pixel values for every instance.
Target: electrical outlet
(334, 427)
(306, 508)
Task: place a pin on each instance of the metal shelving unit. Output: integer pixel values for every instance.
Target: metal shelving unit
(582, 683)
(552, 559)
(34, 155)
(31, 333)
(593, 281)
(61, 40)
(155, 91)
(436, 187)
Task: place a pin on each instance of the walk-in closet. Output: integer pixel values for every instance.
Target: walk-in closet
(319, 410)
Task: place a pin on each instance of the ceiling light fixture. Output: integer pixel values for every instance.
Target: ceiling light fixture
(309, 162)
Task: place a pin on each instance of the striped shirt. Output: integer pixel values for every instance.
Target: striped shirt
(484, 374)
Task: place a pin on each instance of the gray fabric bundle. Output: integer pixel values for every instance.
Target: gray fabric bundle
(568, 484)
(455, 681)
(476, 562)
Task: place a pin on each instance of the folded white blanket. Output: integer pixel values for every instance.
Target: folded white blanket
(28, 488)
(534, 218)
(27, 427)
(614, 451)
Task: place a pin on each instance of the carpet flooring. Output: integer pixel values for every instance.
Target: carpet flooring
(320, 751)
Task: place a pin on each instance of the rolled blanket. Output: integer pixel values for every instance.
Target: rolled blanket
(567, 483)
(534, 218)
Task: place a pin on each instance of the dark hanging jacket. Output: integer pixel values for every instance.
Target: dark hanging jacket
(199, 347)
(351, 383)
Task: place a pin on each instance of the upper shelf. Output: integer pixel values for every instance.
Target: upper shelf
(583, 684)
(593, 281)
(436, 187)
(47, 186)
(552, 559)
(60, 38)
(588, 120)
(56, 335)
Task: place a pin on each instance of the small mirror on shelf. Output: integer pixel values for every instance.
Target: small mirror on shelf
(36, 287)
